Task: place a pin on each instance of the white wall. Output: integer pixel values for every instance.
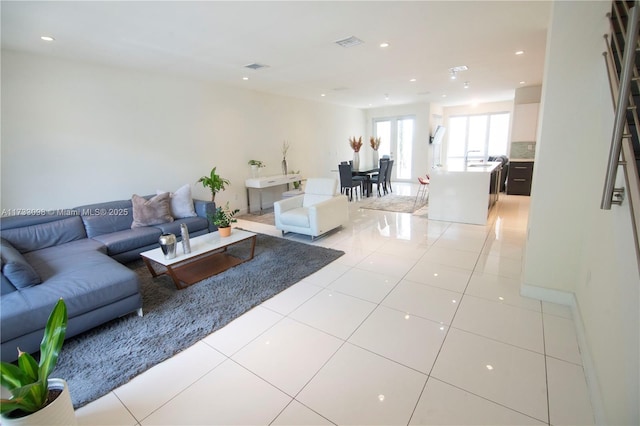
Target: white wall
(574, 247)
(76, 133)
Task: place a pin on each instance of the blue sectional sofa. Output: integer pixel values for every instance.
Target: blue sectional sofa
(76, 254)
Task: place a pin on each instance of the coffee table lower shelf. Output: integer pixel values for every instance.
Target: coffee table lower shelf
(196, 269)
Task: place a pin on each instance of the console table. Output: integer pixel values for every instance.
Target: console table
(260, 183)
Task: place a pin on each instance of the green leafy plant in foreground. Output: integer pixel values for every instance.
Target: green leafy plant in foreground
(28, 381)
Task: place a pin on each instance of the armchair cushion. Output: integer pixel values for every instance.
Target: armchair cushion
(296, 217)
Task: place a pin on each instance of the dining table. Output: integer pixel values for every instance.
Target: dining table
(367, 187)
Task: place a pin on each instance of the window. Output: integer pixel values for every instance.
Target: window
(396, 136)
(478, 136)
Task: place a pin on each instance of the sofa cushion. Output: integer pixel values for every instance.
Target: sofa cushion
(131, 239)
(86, 280)
(181, 202)
(151, 212)
(104, 218)
(296, 217)
(16, 268)
(5, 286)
(48, 233)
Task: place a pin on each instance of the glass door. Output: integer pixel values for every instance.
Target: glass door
(396, 140)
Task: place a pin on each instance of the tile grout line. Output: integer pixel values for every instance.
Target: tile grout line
(546, 370)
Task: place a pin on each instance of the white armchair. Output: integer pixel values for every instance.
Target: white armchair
(320, 209)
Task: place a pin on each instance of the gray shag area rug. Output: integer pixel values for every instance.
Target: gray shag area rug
(394, 203)
(106, 357)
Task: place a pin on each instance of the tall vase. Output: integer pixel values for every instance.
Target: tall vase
(356, 161)
(376, 160)
(168, 245)
(284, 166)
(255, 171)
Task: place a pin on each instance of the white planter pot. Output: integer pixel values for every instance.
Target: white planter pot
(58, 413)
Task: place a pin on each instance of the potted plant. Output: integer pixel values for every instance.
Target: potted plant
(214, 182)
(256, 165)
(296, 184)
(35, 398)
(223, 218)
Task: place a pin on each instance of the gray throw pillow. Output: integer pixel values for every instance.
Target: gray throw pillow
(151, 212)
(16, 268)
(181, 202)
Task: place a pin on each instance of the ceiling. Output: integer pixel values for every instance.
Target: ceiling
(214, 40)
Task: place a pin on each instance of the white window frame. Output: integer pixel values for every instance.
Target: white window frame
(485, 153)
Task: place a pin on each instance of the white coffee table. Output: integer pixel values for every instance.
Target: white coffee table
(208, 257)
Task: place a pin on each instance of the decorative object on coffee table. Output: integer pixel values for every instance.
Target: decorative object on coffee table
(36, 399)
(223, 218)
(214, 182)
(184, 233)
(168, 245)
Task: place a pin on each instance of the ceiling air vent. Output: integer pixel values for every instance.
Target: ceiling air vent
(349, 42)
(256, 66)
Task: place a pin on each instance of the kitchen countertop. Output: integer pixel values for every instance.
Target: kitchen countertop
(471, 166)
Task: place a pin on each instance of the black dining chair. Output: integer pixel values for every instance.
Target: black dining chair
(380, 178)
(347, 183)
(387, 178)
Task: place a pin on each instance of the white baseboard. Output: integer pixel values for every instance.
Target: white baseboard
(569, 299)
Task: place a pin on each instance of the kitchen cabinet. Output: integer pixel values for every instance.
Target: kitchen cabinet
(520, 177)
(525, 122)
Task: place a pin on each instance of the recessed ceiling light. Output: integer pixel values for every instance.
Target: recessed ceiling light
(522, 82)
(385, 44)
(413, 80)
(47, 38)
(520, 52)
(245, 78)
(323, 94)
(444, 96)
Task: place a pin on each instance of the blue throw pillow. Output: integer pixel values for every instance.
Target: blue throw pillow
(15, 267)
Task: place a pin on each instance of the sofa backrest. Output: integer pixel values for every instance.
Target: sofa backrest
(319, 189)
(105, 218)
(29, 233)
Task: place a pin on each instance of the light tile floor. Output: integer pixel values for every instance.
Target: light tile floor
(420, 322)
